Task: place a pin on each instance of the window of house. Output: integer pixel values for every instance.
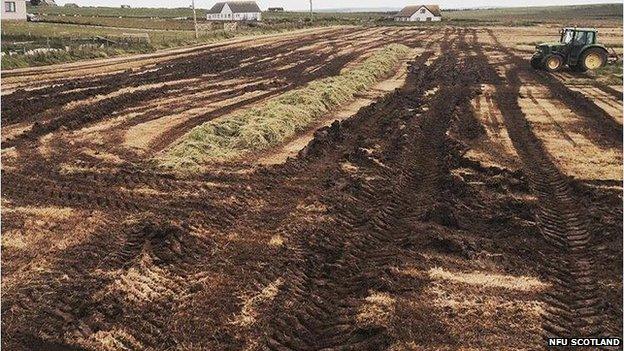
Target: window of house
(9, 6)
(422, 10)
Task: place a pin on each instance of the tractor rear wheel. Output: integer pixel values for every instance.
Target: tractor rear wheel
(536, 61)
(552, 63)
(592, 58)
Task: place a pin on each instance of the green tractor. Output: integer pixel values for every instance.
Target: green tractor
(578, 48)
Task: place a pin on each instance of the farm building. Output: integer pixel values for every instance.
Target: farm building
(419, 13)
(235, 11)
(14, 10)
(276, 9)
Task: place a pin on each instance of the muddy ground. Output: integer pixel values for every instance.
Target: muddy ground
(476, 207)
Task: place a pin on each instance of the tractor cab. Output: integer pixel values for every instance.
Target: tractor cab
(577, 48)
(578, 36)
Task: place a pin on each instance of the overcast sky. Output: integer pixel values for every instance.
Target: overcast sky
(328, 4)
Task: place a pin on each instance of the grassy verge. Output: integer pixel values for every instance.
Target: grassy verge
(70, 55)
(232, 136)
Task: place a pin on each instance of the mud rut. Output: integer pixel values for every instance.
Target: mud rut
(366, 197)
(575, 304)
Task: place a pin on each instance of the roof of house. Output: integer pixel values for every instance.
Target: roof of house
(408, 11)
(236, 6)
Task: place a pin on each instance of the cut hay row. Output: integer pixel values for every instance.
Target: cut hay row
(231, 136)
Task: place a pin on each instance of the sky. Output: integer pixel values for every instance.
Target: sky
(329, 4)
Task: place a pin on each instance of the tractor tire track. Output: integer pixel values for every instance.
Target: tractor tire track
(598, 119)
(573, 305)
(335, 267)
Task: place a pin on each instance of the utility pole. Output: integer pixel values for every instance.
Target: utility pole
(311, 13)
(195, 18)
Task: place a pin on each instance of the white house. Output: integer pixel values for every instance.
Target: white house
(419, 13)
(235, 11)
(14, 10)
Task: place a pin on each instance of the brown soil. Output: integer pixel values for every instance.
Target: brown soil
(434, 218)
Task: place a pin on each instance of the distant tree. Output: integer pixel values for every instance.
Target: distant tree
(35, 2)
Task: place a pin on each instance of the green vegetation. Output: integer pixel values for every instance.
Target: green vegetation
(328, 18)
(124, 22)
(232, 136)
(270, 20)
(76, 33)
(60, 56)
(180, 18)
(589, 15)
(144, 12)
(76, 42)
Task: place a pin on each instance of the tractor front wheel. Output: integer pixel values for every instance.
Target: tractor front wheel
(536, 61)
(552, 63)
(592, 58)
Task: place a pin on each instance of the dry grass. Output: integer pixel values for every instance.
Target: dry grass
(249, 312)
(576, 147)
(111, 340)
(42, 226)
(138, 282)
(66, 168)
(232, 136)
(276, 241)
(489, 280)
(468, 311)
(378, 310)
(349, 167)
(50, 212)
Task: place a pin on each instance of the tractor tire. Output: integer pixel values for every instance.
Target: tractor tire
(592, 58)
(552, 63)
(536, 62)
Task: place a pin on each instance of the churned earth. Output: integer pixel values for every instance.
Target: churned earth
(474, 205)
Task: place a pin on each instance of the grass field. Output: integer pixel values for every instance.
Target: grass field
(158, 17)
(73, 29)
(124, 22)
(82, 42)
(582, 15)
(143, 12)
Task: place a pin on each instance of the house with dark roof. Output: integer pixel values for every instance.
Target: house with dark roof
(419, 13)
(235, 11)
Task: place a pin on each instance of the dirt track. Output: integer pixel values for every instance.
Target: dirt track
(444, 216)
